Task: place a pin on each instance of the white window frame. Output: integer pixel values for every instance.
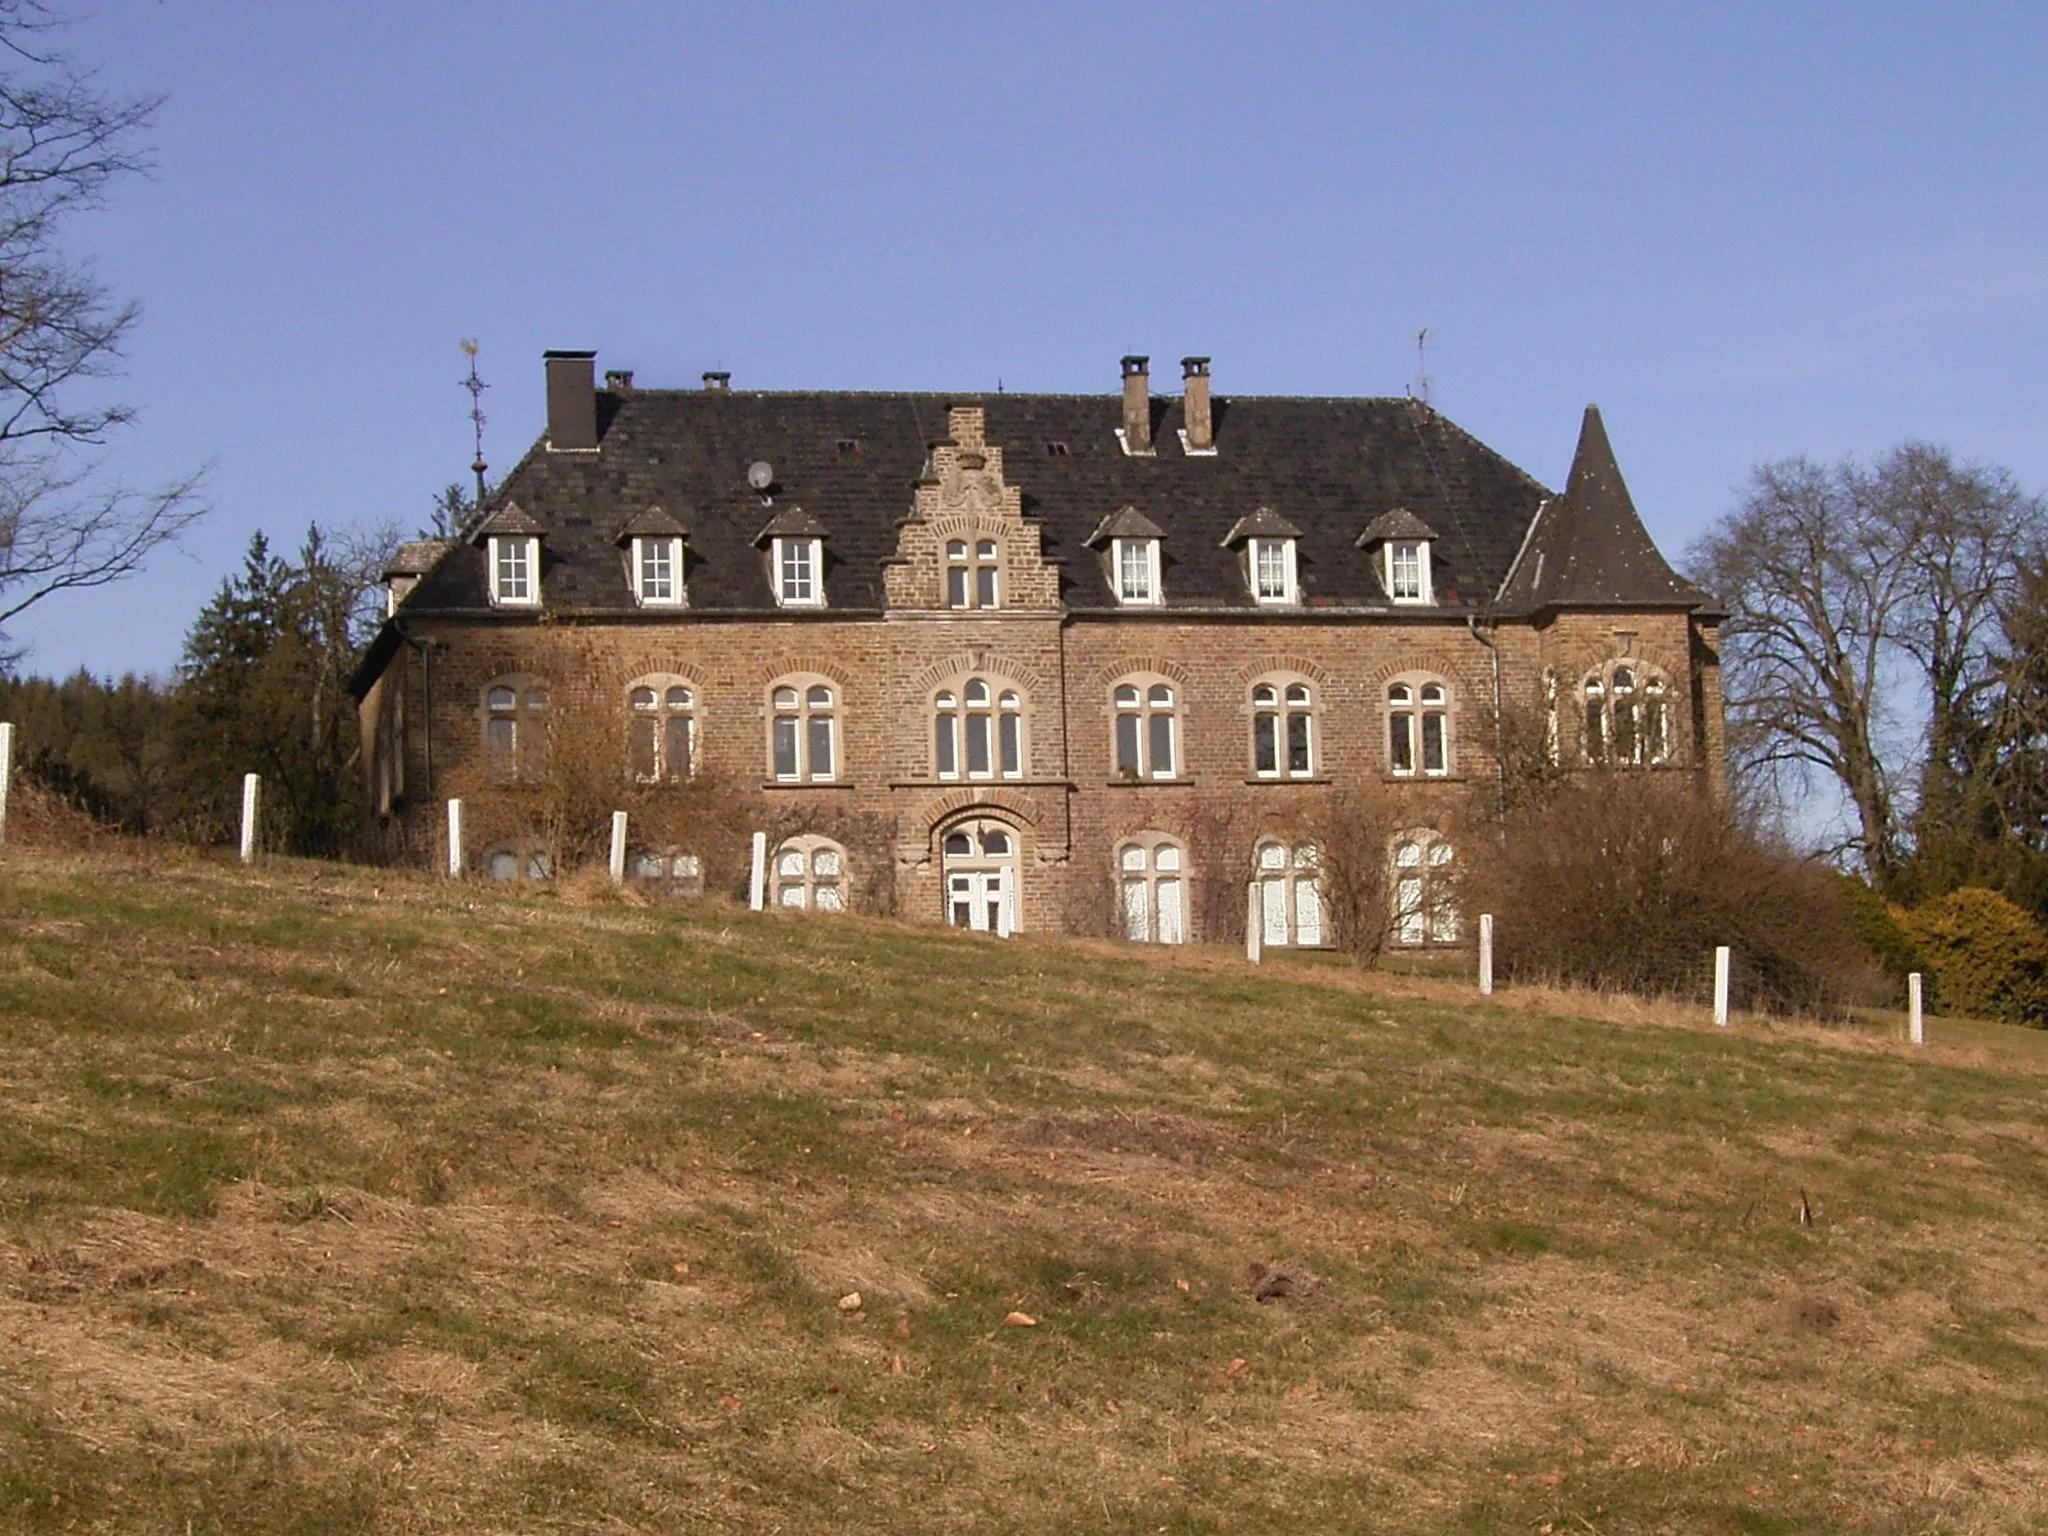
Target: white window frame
(805, 712)
(1154, 594)
(819, 880)
(1290, 592)
(1152, 889)
(1288, 880)
(645, 551)
(659, 712)
(814, 553)
(1283, 708)
(1424, 589)
(1409, 710)
(971, 563)
(1146, 713)
(1423, 880)
(998, 708)
(501, 550)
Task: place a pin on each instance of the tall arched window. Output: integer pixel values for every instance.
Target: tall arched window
(1283, 730)
(978, 731)
(515, 729)
(1425, 899)
(803, 732)
(662, 730)
(972, 573)
(1628, 716)
(1418, 727)
(810, 872)
(1152, 880)
(1290, 900)
(1146, 735)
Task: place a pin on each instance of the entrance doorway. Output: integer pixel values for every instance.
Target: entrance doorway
(979, 862)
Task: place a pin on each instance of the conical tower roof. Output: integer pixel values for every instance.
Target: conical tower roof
(1589, 549)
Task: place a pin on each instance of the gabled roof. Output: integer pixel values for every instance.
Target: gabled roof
(1332, 464)
(509, 521)
(416, 557)
(653, 523)
(1125, 523)
(1589, 549)
(791, 523)
(1397, 524)
(1264, 523)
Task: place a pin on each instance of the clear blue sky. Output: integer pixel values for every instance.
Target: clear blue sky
(1747, 231)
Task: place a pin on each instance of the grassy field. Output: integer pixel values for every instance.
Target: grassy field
(336, 1200)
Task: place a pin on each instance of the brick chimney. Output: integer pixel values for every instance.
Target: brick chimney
(719, 381)
(619, 381)
(572, 400)
(1137, 405)
(1194, 403)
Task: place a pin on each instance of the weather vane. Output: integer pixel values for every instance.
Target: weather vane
(476, 387)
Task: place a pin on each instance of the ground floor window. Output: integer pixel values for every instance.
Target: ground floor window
(1290, 901)
(810, 873)
(978, 862)
(1154, 891)
(1425, 899)
(517, 861)
(664, 866)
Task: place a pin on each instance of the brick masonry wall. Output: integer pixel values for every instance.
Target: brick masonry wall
(1069, 811)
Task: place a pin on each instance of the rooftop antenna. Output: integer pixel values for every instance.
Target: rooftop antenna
(1422, 362)
(476, 387)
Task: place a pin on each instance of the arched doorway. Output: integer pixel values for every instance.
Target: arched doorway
(979, 863)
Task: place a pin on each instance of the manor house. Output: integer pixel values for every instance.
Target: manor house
(1039, 662)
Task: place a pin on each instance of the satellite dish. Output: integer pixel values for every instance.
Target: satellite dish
(760, 474)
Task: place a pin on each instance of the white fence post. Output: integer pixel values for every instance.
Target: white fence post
(1486, 954)
(6, 772)
(757, 887)
(1254, 923)
(252, 799)
(1916, 1023)
(618, 847)
(455, 859)
(1721, 985)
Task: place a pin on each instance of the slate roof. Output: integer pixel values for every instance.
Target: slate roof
(1263, 523)
(1329, 467)
(1397, 524)
(1589, 549)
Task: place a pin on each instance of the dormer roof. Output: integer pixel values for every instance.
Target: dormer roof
(1400, 523)
(1125, 523)
(509, 521)
(653, 523)
(1588, 548)
(791, 523)
(1264, 523)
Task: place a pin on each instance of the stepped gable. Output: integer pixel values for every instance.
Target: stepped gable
(1328, 467)
(1588, 548)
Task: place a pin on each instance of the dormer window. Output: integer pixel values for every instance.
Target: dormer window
(1408, 570)
(512, 557)
(1272, 566)
(1399, 543)
(1136, 564)
(798, 563)
(658, 572)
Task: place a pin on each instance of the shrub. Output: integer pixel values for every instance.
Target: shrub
(1985, 956)
(1877, 924)
(1629, 881)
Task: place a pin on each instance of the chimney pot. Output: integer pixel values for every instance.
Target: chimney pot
(1194, 405)
(572, 400)
(718, 381)
(1137, 405)
(619, 380)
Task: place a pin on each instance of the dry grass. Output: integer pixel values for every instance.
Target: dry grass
(338, 1200)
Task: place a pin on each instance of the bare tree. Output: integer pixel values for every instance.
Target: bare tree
(63, 526)
(1847, 588)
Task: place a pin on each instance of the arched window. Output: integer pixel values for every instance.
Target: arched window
(516, 860)
(1283, 730)
(972, 573)
(662, 727)
(1151, 876)
(668, 867)
(810, 872)
(1628, 716)
(1418, 727)
(1290, 900)
(1425, 898)
(515, 729)
(1147, 734)
(803, 732)
(978, 731)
